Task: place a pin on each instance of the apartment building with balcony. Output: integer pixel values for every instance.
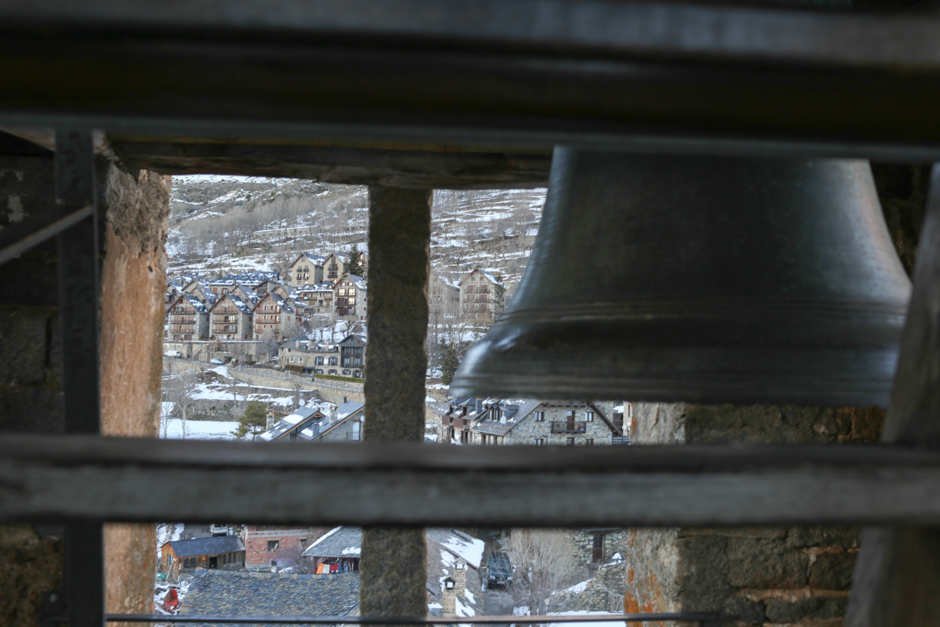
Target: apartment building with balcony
(187, 319)
(230, 318)
(534, 422)
(350, 297)
(477, 295)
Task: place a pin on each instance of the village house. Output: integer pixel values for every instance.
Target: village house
(277, 315)
(260, 281)
(307, 269)
(317, 297)
(222, 552)
(443, 298)
(334, 266)
(477, 292)
(308, 356)
(201, 291)
(352, 356)
(270, 546)
(246, 294)
(290, 426)
(214, 592)
(344, 424)
(501, 422)
(349, 297)
(187, 319)
(230, 318)
(337, 551)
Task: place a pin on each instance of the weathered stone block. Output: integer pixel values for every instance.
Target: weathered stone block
(31, 410)
(23, 345)
(742, 609)
(703, 572)
(781, 611)
(30, 567)
(759, 563)
(832, 571)
(824, 536)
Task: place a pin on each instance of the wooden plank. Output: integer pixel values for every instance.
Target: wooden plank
(897, 575)
(423, 169)
(625, 75)
(411, 484)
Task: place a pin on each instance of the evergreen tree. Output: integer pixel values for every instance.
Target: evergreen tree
(499, 297)
(253, 422)
(449, 363)
(355, 261)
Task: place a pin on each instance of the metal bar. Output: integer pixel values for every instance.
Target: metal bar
(409, 620)
(40, 236)
(83, 579)
(412, 484)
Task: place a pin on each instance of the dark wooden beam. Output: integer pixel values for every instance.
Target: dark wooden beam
(398, 167)
(897, 575)
(412, 484)
(624, 75)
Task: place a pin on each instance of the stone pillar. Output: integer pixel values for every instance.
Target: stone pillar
(449, 601)
(133, 286)
(751, 576)
(393, 564)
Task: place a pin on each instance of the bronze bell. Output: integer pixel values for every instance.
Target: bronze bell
(701, 279)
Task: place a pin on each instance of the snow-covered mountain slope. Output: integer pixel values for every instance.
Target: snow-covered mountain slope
(223, 224)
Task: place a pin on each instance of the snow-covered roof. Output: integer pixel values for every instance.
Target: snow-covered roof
(247, 294)
(251, 278)
(359, 282)
(197, 304)
(338, 542)
(299, 418)
(489, 277)
(463, 545)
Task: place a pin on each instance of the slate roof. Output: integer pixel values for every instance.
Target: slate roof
(339, 542)
(299, 418)
(278, 594)
(251, 278)
(515, 414)
(207, 546)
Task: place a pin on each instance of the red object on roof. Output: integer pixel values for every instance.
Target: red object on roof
(171, 602)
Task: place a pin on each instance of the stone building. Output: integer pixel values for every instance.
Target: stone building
(230, 318)
(318, 298)
(334, 266)
(307, 269)
(350, 297)
(478, 291)
(443, 298)
(221, 552)
(352, 356)
(276, 315)
(499, 422)
(308, 356)
(260, 281)
(270, 546)
(187, 319)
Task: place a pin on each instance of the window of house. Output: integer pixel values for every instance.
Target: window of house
(539, 416)
(332, 371)
(272, 545)
(570, 415)
(589, 416)
(356, 430)
(589, 442)
(319, 371)
(332, 361)
(346, 373)
(569, 441)
(319, 361)
(598, 554)
(540, 441)
(356, 374)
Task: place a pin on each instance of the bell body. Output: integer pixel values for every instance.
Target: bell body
(701, 279)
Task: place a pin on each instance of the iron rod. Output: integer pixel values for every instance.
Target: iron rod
(27, 243)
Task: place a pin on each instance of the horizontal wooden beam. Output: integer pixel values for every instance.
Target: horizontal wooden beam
(410, 484)
(512, 73)
(351, 165)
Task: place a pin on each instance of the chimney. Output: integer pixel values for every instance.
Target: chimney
(479, 405)
(460, 578)
(448, 597)
(331, 418)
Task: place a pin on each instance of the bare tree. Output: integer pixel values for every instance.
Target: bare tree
(180, 389)
(545, 561)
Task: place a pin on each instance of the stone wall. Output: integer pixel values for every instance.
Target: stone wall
(528, 430)
(765, 576)
(603, 592)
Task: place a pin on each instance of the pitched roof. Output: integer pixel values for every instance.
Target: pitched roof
(339, 542)
(299, 418)
(489, 277)
(463, 545)
(251, 278)
(282, 594)
(356, 279)
(207, 546)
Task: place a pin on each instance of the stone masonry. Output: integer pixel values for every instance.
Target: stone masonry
(763, 576)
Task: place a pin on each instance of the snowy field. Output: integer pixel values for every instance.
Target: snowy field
(200, 429)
